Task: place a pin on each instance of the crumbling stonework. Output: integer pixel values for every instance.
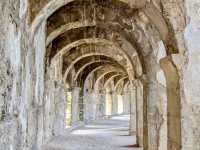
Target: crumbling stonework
(112, 57)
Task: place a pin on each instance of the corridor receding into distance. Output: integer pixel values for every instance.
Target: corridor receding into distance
(99, 74)
(109, 134)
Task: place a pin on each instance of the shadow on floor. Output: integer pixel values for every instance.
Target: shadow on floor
(131, 146)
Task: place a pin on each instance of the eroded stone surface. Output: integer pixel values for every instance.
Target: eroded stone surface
(97, 51)
(110, 134)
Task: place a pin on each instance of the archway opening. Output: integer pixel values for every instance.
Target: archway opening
(83, 36)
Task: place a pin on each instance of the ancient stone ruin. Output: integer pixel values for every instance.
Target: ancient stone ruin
(67, 63)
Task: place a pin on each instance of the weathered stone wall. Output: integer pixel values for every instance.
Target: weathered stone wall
(184, 17)
(32, 93)
(49, 97)
(155, 93)
(27, 115)
(190, 78)
(13, 108)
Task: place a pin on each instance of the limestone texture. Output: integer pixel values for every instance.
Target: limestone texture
(68, 63)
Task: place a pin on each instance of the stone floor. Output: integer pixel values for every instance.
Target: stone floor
(110, 134)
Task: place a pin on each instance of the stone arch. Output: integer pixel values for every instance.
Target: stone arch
(54, 5)
(110, 25)
(81, 80)
(66, 27)
(77, 24)
(128, 50)
(173, 103)
(157, 19)
(126, 85)
(116, 27)
(119, 81)
(101, 77)
(105, 72)
(88, 64)
(111, 78)
(94, 41)
(93, 71)
(149, 9)
(79, 58)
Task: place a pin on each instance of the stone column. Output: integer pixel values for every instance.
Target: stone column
(173, 103)
(139, 113)
(126, 102)
(94, 105)
(90, 110)
(153, 116)
(75, 105)
(68, 108)
(115, 104)
(120, 108)
(132, 110)
(60, 109)
(145, 119)
(108, 102)
(101, 104)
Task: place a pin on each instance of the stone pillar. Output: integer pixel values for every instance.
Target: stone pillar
(120, 108)
(173, 103)
(115, 104)
(145, 118)
(126, 102)
(133, 110)
(94, 105)
(75, 105)
(90, 101)
(101, 110)
(68, 108)
(99, 107)
(60, 110)
(153, 114)
(108, 102)
(139, 113)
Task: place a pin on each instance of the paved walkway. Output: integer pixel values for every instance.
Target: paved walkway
(110, 134)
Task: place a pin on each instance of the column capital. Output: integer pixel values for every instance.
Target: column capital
(177, 59)
(143, 79)
(131, 73)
